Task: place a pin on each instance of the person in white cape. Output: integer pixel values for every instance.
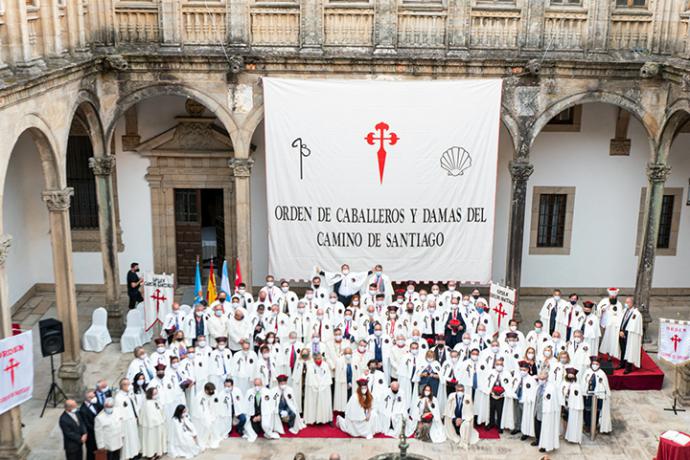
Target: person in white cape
(392, 411)
(109, 430)
(552, 311)
(262, 410)
(459, 418)
(526, 393)
(610, 309)
(630, 337)
(125, 406)
(287, 406)
(547, 414)
(207, 417)
(426, 415)
(344, 380)
(360, 419)
(382, 282)
(595, 384)
(344, 283)
(183, 441)
(573, 403)
(318, 405)
(154, 429)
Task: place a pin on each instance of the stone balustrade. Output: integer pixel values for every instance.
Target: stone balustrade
(36, 31)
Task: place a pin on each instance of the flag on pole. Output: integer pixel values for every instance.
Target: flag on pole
(238, 274)
(224, 280)
(198, 289)
(211, 288)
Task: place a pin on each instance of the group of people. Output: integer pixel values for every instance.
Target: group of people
(434, 363)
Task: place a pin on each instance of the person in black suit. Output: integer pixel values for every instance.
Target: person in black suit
(102, 393)
(73, 431)
(87, 414)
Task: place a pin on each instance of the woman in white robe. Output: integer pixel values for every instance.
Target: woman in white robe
(467, 434)
(595, 381)
(426, 415)
(360, 417)
(128, 410)
(154, 439)
(183, 439)
(572, 400)
(318, 405)
(340, 389)
(299, 378)
(207, 417)
(551, 418)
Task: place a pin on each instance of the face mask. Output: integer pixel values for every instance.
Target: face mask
(175, 365)
(499, 368)
(317, 285)
(319, 317)
(547, 354)
(293, 340)
(377, 333)
(348, 358)
(475, 296)
(432, 311)
(414, 352)
(494, 350)
(160, 350)
(241, 290)
(595, 367)
(338, 338)
(348, 317)
(465, 302)
(179, 339)
(573, 302)
(345, 271)
(451, 288)
(393, 315)
(218, 313)
(284, 289)
(415, 338)
(410, 311)
(108, 410)
(542, 382)
(155, 396)
(315, 340)
(482, 333)
(265, 355)
(140, 382)
(228, 389)
(513, 328)
(474, 357)
(93, 400)
(427, 393)
(270, 340)
(363, 390)
(512, 344)
(564, 361)
(454, 359)
(160, 375)
(372, 293)
(556, 298)
(428, 360)
(523, 373)
(74, 411)
(202, 344)
(300, 311)
(221, 300)
(269, 283)
(530, 355)
(434, 291)
(199, 313)
(190, 355)
(333, 300)
(355, 303)
(466, 341)
(401, 343)
(282, 387)
(578, 339)
(361, 349)
(310, 296)
(537, 330)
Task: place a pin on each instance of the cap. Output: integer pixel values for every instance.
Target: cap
(160, 367)
(523, 363)
(159, 340)
(222, 339)
(511, 335)
(362, 382)
(571, 371)
(588, 304)
(282, 378)
(392, 307)
(613, 291)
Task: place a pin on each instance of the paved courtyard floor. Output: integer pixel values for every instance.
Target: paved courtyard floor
(638, 417)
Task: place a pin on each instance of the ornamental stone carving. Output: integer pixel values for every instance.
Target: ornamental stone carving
(658, 172)
(102, 166)
(58, 200)
(5, 243)
(241, 167)
(520, 170)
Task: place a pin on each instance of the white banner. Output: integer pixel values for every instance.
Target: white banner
(674, 340)
(16, 370)
(159, 295)
(399, 173)
(501, 305)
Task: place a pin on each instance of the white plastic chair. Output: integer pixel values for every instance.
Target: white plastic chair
(148, 335)
(97, 337)
(134, 335)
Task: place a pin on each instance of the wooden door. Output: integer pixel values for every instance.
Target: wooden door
(187, 233)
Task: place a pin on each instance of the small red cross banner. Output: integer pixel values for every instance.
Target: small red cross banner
(16, 370)
(158, 298)
(674, 340)
(501, 305)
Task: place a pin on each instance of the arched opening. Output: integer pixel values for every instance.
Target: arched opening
(584, 198)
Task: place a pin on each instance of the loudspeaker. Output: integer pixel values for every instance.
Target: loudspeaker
(52, 340)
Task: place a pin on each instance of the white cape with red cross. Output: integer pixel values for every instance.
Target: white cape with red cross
(159, 293)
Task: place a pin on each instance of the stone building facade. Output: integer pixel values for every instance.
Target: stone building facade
(95, 60)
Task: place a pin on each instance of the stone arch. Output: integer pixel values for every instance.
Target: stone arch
(677, 114)
(512, 127)
(88, 107)
(585, 97)
(168, 89)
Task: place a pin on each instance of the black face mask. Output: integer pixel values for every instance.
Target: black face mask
(221, 300)
(316, 286)
(160, 375)
(588, 312)
(476, 296)
(573, 302)
(410, 311)
(137, 270)
(611, 299)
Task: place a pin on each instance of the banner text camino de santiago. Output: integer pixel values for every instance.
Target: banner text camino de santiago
(392, 172)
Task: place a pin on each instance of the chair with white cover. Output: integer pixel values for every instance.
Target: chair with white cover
(148, 335)
(97, 337)
(134, 332)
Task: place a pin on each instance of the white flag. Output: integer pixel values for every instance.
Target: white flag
(159, 295)
(674, 340)
(501, 305)
(17, 370)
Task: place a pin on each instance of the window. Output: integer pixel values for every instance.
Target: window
(567, 2)
(568, 120)
(552, 220)
(186, 209)
(631, 3)
(83, 212)
(669, 222)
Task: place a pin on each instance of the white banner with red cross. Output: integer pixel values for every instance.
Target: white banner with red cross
(674, 340)
(397, 173)
(16, 370)
(501, 305)
(159, 293)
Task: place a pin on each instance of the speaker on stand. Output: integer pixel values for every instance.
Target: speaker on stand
(52, 343)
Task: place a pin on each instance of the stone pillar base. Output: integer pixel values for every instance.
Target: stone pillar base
(20, 452)
(71, 379)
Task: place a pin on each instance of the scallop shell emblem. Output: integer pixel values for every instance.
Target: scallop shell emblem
(456, 160)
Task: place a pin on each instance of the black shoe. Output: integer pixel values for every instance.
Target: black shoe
(620, 367)
(523, 437)
(534, 443)
(542, 450)
(627, 371)
(514, 432)
(500, 430)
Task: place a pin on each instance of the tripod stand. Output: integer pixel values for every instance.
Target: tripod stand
(54, 389)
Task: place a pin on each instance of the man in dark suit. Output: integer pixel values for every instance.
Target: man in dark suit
(102, 393)
(87, 415)
(73, 431)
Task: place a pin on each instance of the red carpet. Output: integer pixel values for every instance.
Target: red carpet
(648, 377)
(327, 431)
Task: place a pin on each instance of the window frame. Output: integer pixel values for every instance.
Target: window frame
(537, 192)
(672, 249)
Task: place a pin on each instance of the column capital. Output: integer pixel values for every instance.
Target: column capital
(58, 200)
(102, 166)
(241, 167)
(5, 243)
(658, 172)
(520, 169)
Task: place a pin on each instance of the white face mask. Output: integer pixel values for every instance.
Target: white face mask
(578, 339)
(190, 355)
(466, 341)
(432, 311)
(512, 344)
(319, 317)
(422, 297)
(175, 365)
(300, 311)
(160, 350)
(338, 338)
(451, 288)
(108, 410)
(415, 352)
(363, 390)
(346, 271)
(202, 344)
(434, 291)
(355, 303)
(474, 357)
(465, 302)
(523, 373)
(401, 343)
(547, 354)
(310, 296)
(241, 291)
(595, 367)
(530, 355)
(284, 289)
(377, 333)
(348, 318)
(513, 328)
(482, 333)
(494, 350)
(93, 400)
(499, 368)
(221, 346)
(556, 298)
(282, 387)
(269, 283)
(265, 355)
(333, 300)
(348, 358)
(361, 349)
(293, 340)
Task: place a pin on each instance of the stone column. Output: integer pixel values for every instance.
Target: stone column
(459, 27)
(71, 369)
(50, 28)
(242, 170)
(17, 33)
(533, 38)
(598, 23)
(385, 26)
(12, 444)
(520, 170)
(657, 174)
(311, 30)
(103, 168)
(171, 23)
(237, 18)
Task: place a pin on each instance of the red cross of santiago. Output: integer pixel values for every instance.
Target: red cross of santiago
(13, 364)
(500, 312)
(392, 139)
(676, 340)
(157, 296)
